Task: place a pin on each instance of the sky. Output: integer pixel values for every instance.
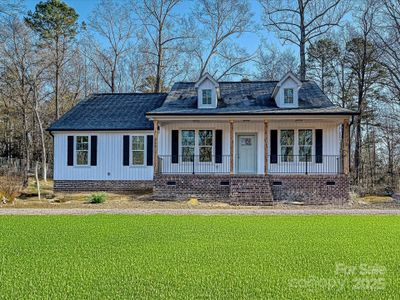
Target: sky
(250, 41)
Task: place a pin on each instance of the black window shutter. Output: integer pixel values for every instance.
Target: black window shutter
(318, 146)
(93, 150)
(218, 146)
(175, 146)
(274, 147)
(149, 150)
(126, 150)
(70, 151)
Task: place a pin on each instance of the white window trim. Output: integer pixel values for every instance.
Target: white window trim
(196, 146)
(144, 150)
(75, 151)
(296, 147)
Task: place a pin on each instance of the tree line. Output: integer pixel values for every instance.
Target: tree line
(50, 60)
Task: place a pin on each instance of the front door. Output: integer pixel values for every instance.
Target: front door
(246, 159)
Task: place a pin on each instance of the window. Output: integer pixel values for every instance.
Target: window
(206, 97)
(287, 145)
(305, 145)
(288, 96)
(82, 150)
(205, 145)
(188, 144)
(138, 150)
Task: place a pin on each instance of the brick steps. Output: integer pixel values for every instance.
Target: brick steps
(250, 190)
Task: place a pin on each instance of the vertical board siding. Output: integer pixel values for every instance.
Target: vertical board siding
(109, 160)
(331, 138)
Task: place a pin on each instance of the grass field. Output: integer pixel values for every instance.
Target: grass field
(218, 257)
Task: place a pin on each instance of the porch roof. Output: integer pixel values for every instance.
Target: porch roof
(247, 98)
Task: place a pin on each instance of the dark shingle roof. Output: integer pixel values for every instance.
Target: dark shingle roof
(253, 97)
(110, 112)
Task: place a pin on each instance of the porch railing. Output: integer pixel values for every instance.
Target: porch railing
(305, 164)
(193, 164)
(277, 164)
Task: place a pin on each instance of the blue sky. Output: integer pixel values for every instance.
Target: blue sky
(248, 40)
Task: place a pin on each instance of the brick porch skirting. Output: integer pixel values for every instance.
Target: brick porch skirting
(102, 185)
(184, 186)
(311, 189)
(254, 189)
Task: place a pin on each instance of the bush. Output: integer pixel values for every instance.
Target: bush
(98, 198)
(10, 188)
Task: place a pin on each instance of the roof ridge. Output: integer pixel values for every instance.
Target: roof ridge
(129, 93)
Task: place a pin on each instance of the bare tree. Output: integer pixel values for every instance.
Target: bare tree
(113, 22)
(300, 22)
(273, 64)
(219, 22)
(163, 36)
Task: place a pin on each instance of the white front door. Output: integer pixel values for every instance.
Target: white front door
(246, 158)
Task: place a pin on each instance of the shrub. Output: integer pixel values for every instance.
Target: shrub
(98, 198)
(10, 188)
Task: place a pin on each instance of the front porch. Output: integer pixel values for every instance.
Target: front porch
(253, 161)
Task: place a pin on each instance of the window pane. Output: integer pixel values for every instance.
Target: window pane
(82, 143)
(288, 95)
(138, 143)
(287, 137)
(287, 154)
(187, 154)
(187, 137)
(305, 137)
(82, 157)
(206, 96)
(138, 158)
(305, 153)
(205, 137)
(205, 154)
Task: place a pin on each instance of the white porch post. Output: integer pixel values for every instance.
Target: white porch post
(346, 143)
(265, 147)
(231, 147)
(155, 147)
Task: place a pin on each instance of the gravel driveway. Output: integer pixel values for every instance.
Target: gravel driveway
(196, 211)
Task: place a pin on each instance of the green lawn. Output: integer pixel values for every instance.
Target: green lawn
(175, 257)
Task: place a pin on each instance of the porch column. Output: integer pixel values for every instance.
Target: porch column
(265, 147)
(155, 147)
(346, 142)
(231, 147)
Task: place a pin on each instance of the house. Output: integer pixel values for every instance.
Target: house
(248, 142)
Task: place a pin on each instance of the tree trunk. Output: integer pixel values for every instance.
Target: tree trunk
(302, 43)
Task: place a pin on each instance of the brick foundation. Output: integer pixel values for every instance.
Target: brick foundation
(184, 186)
(310, 189)
(254, 189)
(102, 185)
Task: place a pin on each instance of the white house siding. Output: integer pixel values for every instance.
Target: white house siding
(109, 159)
(331, 141)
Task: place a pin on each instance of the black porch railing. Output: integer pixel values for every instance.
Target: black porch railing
(305, 164)
(277, 164)
(193, 164)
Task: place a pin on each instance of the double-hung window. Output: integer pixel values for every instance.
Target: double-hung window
(205, 145)
(288, 96)
(206, 97)
(82, 150)
(187, 145)
(287, 145)
(305, 144)
(138, 149)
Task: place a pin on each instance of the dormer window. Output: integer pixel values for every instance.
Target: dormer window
(206, 97)
(286, 91)
(288, 96)
(207, 89)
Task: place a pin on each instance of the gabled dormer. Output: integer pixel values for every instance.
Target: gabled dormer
(286, 92)
(207, 92)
